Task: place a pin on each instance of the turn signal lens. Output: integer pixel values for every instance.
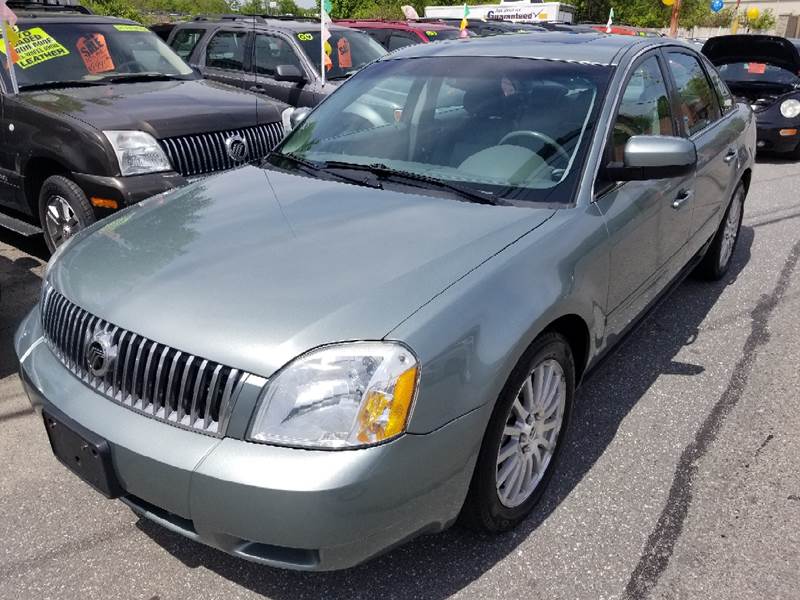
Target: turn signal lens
(383, 415)
(104, 203)
(788, 132)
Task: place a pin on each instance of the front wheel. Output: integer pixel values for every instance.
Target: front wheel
(524, 437)
(717, 259)
(63, 210)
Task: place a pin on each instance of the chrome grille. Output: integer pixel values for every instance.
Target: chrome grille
(204, 153)
(150, 378)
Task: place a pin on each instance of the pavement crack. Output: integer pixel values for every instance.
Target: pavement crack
(763, 445)
(661, 542)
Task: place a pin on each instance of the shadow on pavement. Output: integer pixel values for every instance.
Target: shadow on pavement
(440, 565)
(19, 290)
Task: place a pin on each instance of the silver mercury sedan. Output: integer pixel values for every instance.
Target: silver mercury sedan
(380, 329)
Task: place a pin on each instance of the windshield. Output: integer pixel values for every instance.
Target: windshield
(350, 50)
(85, 52)
(436, 35)
(757, 72)
(511, 127)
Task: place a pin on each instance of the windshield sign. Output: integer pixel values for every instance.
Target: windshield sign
(54, 53)
(349, 51)
(513, 128)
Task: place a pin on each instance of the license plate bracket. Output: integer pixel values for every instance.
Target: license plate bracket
(83, 452)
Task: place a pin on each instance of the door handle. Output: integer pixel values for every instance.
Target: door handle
(731, 154)
(681, 199)
(257, 88)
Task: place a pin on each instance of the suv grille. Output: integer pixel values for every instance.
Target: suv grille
(145, 376)
(206, 153)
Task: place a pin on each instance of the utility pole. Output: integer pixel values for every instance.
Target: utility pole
(673, 23)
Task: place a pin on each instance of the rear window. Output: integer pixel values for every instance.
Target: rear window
(755, 72)
(349, 51)
(185, 41)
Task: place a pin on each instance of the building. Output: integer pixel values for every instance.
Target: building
(518, 12)
(787, 14)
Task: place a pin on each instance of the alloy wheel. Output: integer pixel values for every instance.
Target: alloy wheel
(531, 433)
(731, 231)
(61, 221)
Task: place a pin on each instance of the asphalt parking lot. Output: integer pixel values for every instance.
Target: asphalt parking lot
(680, 478)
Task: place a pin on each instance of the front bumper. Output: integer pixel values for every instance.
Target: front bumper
(769, 136)
(291, 508)
(128, 190)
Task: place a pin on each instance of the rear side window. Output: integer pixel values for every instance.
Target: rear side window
(400, 39)
(226, 50)
(185, 41)
(698, 102)
(644, 109)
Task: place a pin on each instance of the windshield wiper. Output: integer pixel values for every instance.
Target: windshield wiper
(315, 169)
(426, 181)
(134, 77)
(46, 85)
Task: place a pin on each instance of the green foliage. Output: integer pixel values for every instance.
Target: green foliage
(764, 22)
(115, 8)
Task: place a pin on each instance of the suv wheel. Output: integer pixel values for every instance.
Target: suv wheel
(524, 437)
(63, 210)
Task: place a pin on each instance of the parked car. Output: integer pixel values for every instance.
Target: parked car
(280, 58)
(394, 319)
(108, 115)
(764, 71)
(485, 28)
(162, 30)
(399, 34)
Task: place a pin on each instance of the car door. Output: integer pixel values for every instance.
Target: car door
(648, 233)
(226, 57)
(269, 52)
(714, 137)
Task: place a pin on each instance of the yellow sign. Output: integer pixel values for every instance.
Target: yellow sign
(305, 37)
(130, 28)
(36, 46)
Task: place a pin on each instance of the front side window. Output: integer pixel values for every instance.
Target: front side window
(514, 128)
(185, 41)
(84, 53)
(226, 50)
(726, 101)
(698, 102)
(644, 109)
(272, 52)
(349, 51)
(401, 39)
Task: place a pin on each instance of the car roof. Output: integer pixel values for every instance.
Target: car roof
(256, 22)
(382, 24)
(66, 17)
(594, 48)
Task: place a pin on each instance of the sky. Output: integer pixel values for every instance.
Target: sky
(305, 3)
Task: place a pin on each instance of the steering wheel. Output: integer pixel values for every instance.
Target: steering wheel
(542, 137)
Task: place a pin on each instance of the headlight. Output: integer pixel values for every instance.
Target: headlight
(790, 108)
(341, 396)
(137, 152)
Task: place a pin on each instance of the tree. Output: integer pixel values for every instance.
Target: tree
(764, 22)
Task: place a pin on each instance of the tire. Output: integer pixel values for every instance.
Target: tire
(494, 508)
(63, 210)
(717, 260)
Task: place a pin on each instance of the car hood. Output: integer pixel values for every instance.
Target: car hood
(161, 108)
(253, 267)
(768, 49)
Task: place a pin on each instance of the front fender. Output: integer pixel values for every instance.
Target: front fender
(470, 337)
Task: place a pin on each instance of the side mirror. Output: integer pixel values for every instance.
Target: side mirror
(653, 157)
(298, 115)
(288, 73)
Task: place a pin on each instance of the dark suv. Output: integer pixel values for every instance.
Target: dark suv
(107, 115)
(277, 57)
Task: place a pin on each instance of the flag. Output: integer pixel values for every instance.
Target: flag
(325, 7)
(464, 22)
(6, 14)
(610, 20)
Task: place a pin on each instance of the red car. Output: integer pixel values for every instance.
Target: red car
(397, 34)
